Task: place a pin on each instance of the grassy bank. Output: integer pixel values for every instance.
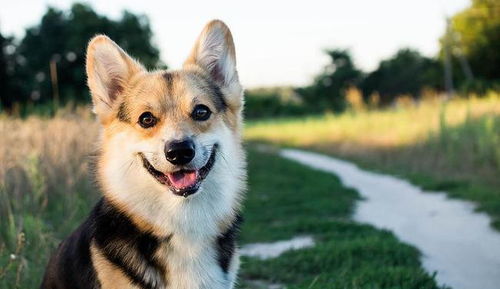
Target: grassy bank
(452, 146)
(287, 200)
(46, 191)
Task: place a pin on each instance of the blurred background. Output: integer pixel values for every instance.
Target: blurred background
(406, 88)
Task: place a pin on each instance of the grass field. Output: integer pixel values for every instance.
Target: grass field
(287, 200)
(451, 146)
(46, 191)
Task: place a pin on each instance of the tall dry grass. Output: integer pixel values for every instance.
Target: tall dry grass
(45, 189)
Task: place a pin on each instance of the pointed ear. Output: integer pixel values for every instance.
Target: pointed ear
(214, 53)
(109, 68)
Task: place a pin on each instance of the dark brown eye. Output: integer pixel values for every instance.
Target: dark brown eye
(201, 112)
(147, 120)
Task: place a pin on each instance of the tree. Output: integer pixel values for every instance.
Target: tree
(475, 33)
(62, 37)
(328, 89)
(4, 80)
(10, 83)
(407, 72)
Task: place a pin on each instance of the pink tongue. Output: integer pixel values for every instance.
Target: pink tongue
(183, 179)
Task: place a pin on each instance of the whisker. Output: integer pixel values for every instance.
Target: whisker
(128, 168)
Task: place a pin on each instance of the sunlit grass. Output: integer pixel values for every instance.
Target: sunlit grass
(443, 145)
(391, 127)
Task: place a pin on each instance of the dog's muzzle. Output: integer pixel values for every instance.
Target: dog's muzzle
(183, 182)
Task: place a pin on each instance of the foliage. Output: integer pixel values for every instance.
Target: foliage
(10, 83)
(475, 33)
(328, 90)
(272, 102)
(475, 38)
(4, 75)
(62, 37)
(405, 73)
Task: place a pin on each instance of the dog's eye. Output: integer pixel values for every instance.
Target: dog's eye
(201, 112)
(147, 120)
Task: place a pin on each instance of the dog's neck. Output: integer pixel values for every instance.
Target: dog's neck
(117, 238)
(152, 207)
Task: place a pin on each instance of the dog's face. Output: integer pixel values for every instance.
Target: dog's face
(168, 135)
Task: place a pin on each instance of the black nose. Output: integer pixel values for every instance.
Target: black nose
(179, 152)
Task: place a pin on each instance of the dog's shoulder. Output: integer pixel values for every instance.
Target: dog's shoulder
(106, 244)
(119, 243)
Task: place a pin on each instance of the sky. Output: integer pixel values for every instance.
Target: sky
(277, 42)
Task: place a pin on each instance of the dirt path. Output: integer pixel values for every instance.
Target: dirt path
(455, 241)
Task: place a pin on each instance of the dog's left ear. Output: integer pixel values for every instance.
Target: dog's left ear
(109, 70)
(214, 52)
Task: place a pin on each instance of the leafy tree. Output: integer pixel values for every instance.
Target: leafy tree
(407, 72)
(10, 82)
(475, 33)
(62, 37)
(4, 80)
(328, 89)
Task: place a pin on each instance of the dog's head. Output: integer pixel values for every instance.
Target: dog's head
(168, 134)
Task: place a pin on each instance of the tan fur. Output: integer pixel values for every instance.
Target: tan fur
(138, 221)
(109, 275)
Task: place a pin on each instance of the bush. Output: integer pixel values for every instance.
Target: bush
(273, 102)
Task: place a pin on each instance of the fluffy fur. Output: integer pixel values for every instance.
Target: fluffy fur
(141, 234)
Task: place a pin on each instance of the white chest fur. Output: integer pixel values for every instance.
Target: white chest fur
(194, 265)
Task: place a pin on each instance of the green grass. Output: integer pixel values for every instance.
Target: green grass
(33, 224)
(287, 199)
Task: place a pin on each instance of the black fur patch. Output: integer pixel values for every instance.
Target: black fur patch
(226, 244)
(128, 248)
(169, 79)
(122, 114)
(214, 90)
(220, 101)
(121, 242)
(70, 266)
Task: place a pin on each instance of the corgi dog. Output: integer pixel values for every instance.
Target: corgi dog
(172, 171)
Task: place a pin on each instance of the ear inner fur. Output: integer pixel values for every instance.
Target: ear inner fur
(215, 53)
(109, 69)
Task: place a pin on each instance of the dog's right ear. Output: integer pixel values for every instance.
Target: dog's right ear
(214, 52)
(109, 68)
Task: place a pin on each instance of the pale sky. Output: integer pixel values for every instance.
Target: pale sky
(277, 42)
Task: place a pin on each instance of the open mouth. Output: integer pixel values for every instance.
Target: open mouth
(182, 182)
